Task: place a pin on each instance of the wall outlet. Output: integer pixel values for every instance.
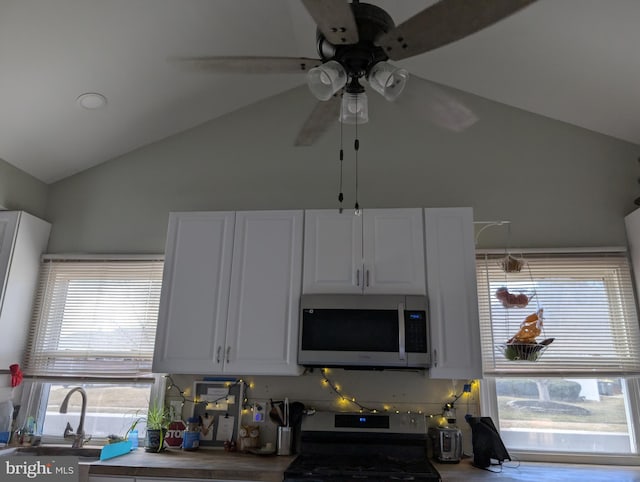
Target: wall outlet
(259, 411)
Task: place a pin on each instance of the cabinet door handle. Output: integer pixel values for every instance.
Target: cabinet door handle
(358, 277)
(228, 352)
(367, 278)
(218, 354)
(435, 357)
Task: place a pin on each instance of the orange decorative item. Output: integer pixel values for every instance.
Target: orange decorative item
(523, 345)
(510, 300)
(529, 329)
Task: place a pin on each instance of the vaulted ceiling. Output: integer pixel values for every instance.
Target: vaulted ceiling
(572, 60)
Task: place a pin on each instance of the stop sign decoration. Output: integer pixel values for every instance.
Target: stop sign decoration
(174, 433)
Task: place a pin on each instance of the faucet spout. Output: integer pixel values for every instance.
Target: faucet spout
(78, 437)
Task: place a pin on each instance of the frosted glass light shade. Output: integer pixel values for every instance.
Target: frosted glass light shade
(354, 108)
(388, 80)
(326, 79)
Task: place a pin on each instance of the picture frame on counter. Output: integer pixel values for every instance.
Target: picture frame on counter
(218, 408)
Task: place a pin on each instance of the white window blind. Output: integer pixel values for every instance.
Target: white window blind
(589, 310)
(94, 318)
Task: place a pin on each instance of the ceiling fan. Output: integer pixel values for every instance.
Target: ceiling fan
(354, 42)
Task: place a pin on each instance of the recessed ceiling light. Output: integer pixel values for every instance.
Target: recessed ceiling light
(91, 100)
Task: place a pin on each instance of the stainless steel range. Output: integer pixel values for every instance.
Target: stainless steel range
(373, 447)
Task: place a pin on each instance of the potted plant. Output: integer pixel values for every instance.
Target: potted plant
(157, 424)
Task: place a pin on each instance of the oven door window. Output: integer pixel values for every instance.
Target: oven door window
(350, 330)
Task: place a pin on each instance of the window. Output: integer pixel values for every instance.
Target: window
(94, 326)
(578, 394)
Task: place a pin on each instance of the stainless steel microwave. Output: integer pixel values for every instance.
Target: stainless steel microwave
(375, 331)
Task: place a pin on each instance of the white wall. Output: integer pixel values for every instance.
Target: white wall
(394, 390)
(20, 191)
(560, 185)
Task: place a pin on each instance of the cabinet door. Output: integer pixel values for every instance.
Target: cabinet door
(332, 252)
(453, 296)
(8, 226)
(632, 226)
(23, 238)
(394, 252)
(195, 293)
(266, 276)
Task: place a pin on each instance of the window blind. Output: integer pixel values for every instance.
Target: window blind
(94, 318)
(589, 310)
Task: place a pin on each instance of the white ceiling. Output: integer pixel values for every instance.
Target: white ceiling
(573, 60)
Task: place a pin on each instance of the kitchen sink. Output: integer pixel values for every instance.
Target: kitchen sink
(84, 453)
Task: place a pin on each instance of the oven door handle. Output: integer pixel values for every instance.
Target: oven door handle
(401, 332)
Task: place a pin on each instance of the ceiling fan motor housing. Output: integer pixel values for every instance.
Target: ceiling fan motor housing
(357, 59)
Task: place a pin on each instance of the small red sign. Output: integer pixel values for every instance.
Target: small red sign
(174, 434)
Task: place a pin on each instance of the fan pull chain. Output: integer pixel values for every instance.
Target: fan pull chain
(356, 148)
(340, 193)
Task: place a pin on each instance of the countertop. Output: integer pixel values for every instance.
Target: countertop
(200, 464)
(209, 463)
(538, 472)
(217, 464)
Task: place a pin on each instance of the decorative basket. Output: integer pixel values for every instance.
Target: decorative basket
(512, 300)
(511, 264)
(523, 351)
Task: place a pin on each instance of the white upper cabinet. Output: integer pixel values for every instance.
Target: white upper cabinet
(266, 279)
(230, 293)
(379, 252)
(394, 251)
(332, 252)
(452, 294)
(23, 239)
(195, 293)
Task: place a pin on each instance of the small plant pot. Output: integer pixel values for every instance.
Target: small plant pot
(154, 440)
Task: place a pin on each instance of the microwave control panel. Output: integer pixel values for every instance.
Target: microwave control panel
(415, 326)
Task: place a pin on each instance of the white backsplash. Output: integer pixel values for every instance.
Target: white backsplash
(392, 390)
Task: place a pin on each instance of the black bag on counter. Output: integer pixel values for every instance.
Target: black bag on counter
(488, 448)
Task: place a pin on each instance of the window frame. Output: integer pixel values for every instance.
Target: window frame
(489, 399)
(489, 408)
(35, 389)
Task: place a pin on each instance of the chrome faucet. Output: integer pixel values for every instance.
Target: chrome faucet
(79, 436)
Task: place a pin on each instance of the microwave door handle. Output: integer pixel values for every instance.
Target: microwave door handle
(401, 332)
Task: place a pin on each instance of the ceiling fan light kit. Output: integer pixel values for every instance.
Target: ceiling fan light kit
(388, 80)
(326, 80)
(354, 109)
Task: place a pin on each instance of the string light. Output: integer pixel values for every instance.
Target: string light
(343, 400)
(183, 393)
(448, 410)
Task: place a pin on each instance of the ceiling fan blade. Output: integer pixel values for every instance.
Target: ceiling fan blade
(334, 19)
(321, 117)
(428, 100)
(443, 23)
(250, 65)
